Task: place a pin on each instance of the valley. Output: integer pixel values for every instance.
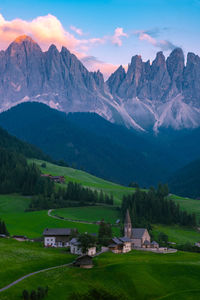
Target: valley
(31, 256)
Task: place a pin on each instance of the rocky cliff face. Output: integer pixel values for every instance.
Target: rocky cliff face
(148, 96)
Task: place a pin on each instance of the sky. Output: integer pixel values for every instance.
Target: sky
(104, 33)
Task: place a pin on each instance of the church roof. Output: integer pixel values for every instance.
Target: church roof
(138, 233)
(127, 218)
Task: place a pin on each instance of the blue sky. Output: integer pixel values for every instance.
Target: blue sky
(121, 28)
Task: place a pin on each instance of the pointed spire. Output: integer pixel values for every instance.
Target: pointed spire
(127, 218)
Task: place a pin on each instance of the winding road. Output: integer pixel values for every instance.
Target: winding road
(31, 274)
(66, 219)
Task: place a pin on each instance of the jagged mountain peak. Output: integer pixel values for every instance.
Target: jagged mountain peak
(24, 39)
(148, 96)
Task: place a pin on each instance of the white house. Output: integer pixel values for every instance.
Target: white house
(75, 248)
(57, 237)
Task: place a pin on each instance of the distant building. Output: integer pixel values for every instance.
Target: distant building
(20, 238)
(58, 237)
(139, 237)
(57, 179)
(154, 245)
(120, 245)
(75, 248)
(197, 244)
(84, 261)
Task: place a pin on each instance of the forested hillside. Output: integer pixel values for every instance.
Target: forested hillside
(13, 144)
(89, 142)
(186, 181)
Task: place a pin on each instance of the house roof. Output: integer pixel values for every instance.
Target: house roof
(154, 243)
(57, 231)
(124, 239)
(116, 241)
(138, 233)
(75, 242)
(84, 260)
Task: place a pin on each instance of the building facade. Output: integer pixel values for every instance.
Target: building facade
(57, 237)
(75, 248)
(139, 237)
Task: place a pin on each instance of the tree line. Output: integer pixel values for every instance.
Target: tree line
(64, 197)
(153, 206)
(17, 176)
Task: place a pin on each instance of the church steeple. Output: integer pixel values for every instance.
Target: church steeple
(127, 225)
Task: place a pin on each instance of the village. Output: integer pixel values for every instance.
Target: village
(134, 238)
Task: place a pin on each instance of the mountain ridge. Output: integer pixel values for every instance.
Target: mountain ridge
(164, 94)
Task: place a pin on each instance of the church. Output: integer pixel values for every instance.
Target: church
(139, 237)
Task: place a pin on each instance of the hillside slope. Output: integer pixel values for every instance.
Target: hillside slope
(119, 155)
(186, 181)
(13, 144)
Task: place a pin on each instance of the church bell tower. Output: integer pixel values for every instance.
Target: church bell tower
(127, 225)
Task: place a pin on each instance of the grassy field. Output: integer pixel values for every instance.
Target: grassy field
(20, 258)
(138, 275)
(177, 234)
(86, 180)
(190, 205)
(89, 213)
(32, 224)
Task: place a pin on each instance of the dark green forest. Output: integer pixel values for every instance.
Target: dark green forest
(186, 181)
(74, 195)
(153, 207)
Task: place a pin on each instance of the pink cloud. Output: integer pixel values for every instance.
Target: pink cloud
(162, 44)
(47, 30)
(118, 34)
(78, 31)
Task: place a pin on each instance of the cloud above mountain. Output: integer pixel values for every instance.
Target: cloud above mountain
(47, 30)
(150, 37)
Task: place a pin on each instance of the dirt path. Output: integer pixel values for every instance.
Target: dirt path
(31, 274)
(67, 219)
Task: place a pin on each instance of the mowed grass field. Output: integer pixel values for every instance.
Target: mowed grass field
(20, 258)
(177, 234)
(89, 213)
(32, 224)
(137, 275)
(86, 180)
(190, 205)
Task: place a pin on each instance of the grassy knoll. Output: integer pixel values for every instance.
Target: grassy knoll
(86, 180)
(89, 213)
(20, 258)
(190, 205)
(178, 234)
(138, 275)
(32, 224)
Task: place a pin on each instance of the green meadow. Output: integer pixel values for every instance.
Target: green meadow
(89, 213)
(190, 205)
(136, 275)
(32, 224)
(20, 258)
(86, 180)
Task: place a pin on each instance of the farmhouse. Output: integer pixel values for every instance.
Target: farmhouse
(20, 238)
(84, 261)
(120, 245)
(58, 237)
(75, 248)
(57, 179)
(139, 237)
(197, 244)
